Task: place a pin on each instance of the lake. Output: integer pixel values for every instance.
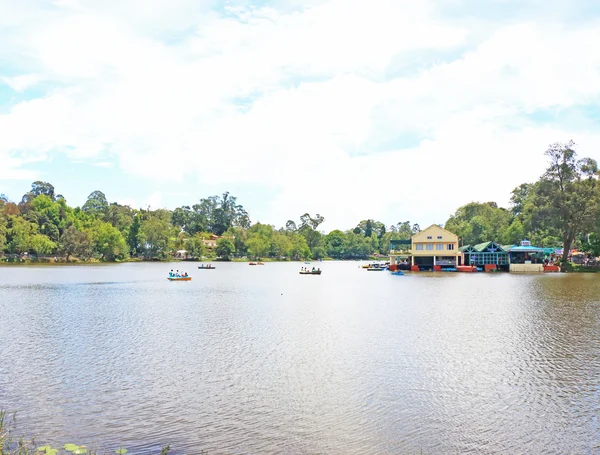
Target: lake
(262, 360)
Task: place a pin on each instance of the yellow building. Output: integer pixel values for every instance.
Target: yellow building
(435, 246)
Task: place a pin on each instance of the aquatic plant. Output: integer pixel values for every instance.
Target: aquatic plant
(25, 446)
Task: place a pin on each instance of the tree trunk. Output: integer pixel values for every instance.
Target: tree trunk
(567, 241)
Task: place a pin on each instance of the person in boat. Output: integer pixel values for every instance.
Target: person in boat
(171, 274)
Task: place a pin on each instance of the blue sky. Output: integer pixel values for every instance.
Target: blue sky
(349, 109)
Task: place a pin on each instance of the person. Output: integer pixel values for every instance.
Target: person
(313, 269)
(171, 274)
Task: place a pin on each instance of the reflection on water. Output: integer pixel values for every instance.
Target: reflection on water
(262, 360)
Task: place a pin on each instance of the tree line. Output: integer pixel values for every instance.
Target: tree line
(561, 209)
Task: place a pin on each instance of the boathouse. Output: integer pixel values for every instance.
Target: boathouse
(486, 255)
(435, 248)
(526, 258)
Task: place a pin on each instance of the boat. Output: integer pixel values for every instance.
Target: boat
(252, 263)
(309, 272)
(180, 278)
(376, 268)
(206, 267)
(256, 263)
(307, 262)
(397, 272)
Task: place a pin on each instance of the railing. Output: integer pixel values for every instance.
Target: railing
(392, 252)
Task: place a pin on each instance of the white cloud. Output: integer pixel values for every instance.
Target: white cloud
(154, 201)
(302, 100)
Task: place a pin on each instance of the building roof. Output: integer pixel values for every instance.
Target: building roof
(481, 247)
(435, 227)
(526, 249)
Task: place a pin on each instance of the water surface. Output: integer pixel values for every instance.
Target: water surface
(253, 360)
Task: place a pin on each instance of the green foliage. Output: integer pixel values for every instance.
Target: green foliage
(567, 197)
(19, 234)
(41, 244)
(215, 214)
(481, 222)
(108, 242)
(225, 249)
(154, 236)
(96, 204)
(133, 240)
(76, 243)
(195, 247)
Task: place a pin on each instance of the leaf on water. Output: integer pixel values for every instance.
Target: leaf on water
(80, 451)
(121, 451)
(43, 448)
(51, 451)
(71, 447)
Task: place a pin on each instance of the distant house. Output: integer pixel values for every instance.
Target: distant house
(211, 242)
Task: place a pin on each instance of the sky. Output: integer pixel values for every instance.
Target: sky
(394, 110)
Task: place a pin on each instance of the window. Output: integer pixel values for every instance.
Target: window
(419, 246)
(439, 237)
(430, 246)
(451, 246)
(439, 246)
(429, 237)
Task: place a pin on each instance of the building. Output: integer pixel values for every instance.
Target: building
(526, 258)
(435, 248)
(211, 242)
(487, 255)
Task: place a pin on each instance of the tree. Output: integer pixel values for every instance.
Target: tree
(290, 226)
(19, 234)
(518, 198)
(41, 244)
(478, 222)
(76, 243)
(38, 188)
(568, 195)
(225, 249)
(109, 242)
(154, 236)
(3, 229)
(314, 223)
(96, 204)
(133, 235)
(334, 242)
(416, 229)
(195, 247)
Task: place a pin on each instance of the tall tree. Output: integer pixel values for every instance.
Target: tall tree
(96, 204)
(38, 188)
(568, 194)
